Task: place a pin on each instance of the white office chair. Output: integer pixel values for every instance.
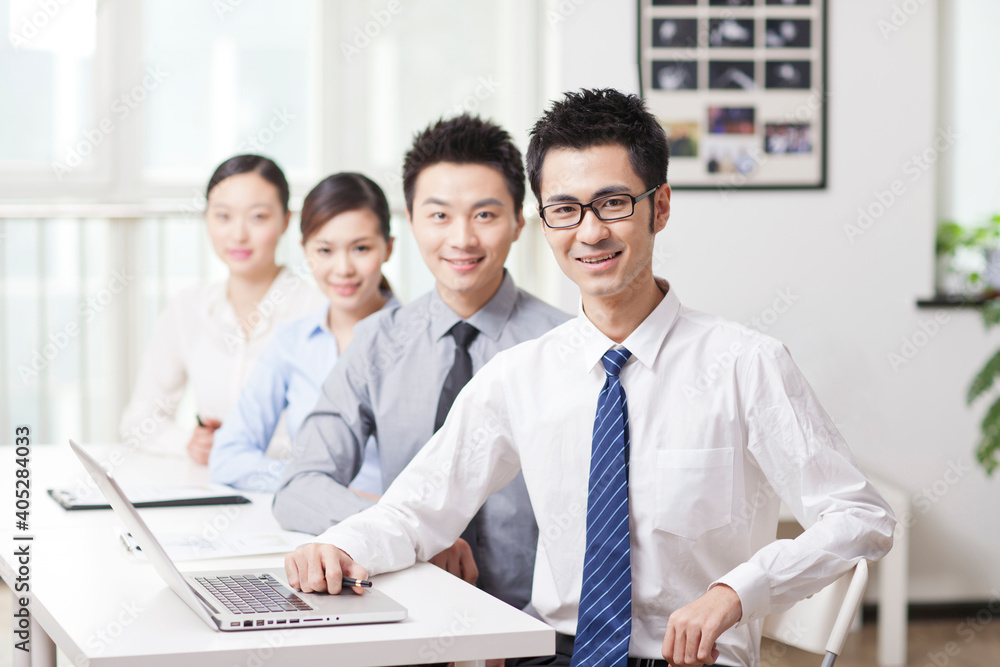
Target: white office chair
(819, 624)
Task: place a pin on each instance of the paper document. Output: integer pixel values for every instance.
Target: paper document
(187, 546)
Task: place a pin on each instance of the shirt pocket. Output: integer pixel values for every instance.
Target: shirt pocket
(694, 490)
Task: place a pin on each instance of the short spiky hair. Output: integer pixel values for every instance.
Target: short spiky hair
(465, 139)
(596, 117)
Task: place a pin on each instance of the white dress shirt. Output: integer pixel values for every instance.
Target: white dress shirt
(198, 339)
(723, 427)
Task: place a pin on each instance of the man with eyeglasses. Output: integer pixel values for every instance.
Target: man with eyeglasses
(656, 494)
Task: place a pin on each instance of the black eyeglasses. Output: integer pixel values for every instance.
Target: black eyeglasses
(607, 208)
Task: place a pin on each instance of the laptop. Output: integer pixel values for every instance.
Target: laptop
(237, 600)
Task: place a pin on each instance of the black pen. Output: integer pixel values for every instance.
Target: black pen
(200, 422)
(360, 583)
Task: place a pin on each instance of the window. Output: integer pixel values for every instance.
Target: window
(121, 110)
(968, 249)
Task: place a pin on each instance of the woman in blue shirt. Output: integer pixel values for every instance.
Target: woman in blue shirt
(345, 236)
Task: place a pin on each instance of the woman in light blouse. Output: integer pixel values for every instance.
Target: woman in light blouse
(346, 238)
(208, 337)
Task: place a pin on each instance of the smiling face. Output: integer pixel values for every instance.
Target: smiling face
(346, 256)
(605, 259)
(464, 222)
(245, 222)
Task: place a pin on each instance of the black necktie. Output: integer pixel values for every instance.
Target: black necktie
(461, 370)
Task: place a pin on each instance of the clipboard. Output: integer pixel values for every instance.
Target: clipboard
(177, 495)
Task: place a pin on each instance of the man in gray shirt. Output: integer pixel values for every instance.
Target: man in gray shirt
(464, 185)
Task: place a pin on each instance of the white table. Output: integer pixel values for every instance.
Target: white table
(103, 609)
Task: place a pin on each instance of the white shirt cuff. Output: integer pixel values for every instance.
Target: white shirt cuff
(750, 584)
(352, 546)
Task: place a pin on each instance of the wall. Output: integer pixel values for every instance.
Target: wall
(853, 300)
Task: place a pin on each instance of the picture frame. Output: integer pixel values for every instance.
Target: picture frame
(740, 87)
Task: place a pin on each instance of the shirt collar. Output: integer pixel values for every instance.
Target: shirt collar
(318, 322)
(217, 306)
(489, 320)
(644, 343)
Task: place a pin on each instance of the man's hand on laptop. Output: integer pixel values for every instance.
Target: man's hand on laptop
(318, 568)
(457, 560)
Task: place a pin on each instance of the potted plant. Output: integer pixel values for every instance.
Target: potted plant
(987, 238)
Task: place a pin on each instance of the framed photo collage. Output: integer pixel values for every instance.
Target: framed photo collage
(740, 88)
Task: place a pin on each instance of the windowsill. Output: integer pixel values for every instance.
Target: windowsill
(955, 301)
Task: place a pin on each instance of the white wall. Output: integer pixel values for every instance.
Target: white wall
(854, 302)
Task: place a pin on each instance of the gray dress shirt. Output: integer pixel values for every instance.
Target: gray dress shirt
(387, 384)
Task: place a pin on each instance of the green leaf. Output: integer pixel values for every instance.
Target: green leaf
(989, 446)
(991, 313)
(949, 237)
(986, 453)
(984, 379)
(991, 422)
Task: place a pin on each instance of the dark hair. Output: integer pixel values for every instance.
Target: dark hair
(245, 164)
(341, 193)
(596, 117)
(465, 140)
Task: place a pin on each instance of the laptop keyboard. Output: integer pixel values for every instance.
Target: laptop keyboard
(246, 594)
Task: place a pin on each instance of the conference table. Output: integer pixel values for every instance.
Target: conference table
(101, 607)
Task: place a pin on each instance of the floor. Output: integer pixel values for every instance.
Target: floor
(951, 643)
(974, 642)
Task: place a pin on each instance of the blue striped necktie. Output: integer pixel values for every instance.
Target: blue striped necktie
(604, 622)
